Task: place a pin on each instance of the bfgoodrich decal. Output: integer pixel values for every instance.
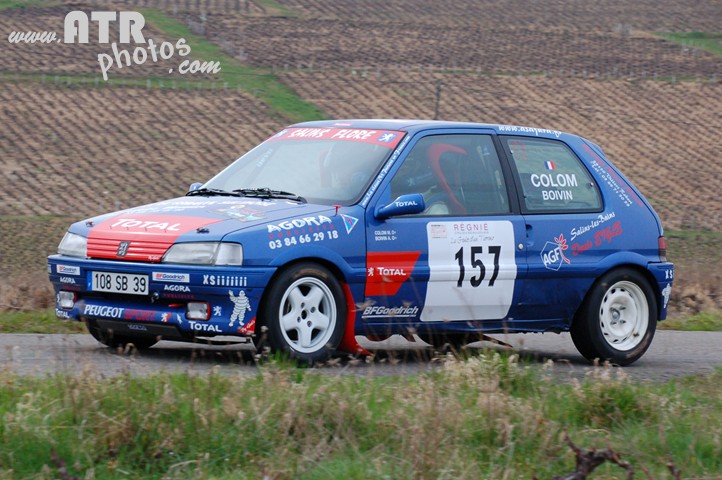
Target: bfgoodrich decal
(171, 277)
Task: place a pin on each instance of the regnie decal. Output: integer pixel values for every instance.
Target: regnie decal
(67, 270)
(299, 223)
(224, 280)
(171, 277)
(69, 280)
(241, 304)
(103, 311)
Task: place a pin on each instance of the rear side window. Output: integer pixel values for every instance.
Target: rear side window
(552, 178)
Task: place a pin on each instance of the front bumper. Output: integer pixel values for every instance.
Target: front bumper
(233, 295)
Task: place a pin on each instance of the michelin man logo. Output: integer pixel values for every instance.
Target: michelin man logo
(665, 293)
(241, 305)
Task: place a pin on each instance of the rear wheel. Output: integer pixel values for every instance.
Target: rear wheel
(618, 318)
(305, 313)
(108, 338)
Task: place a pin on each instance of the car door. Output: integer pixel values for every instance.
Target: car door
(563, 216)
(460, 258)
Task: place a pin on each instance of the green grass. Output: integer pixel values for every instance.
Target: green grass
(43, 321)
(701, 322)
(259, 82)
(8, 4)
(274, 8)
(483, 417)
(710, 42)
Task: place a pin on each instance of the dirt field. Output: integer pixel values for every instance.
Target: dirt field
(68, 151)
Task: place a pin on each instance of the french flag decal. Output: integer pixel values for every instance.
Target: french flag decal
(550, 165)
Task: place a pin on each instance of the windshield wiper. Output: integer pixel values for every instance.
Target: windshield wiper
(268, 193)
(211, 192)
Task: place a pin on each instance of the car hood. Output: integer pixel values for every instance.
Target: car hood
(145, 233)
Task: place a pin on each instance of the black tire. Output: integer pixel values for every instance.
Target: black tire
(618, 318)
(111, 340)
(305, 313)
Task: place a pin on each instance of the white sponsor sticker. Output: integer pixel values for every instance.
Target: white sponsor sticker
(67, 270)
(169, 277)
(473, 269)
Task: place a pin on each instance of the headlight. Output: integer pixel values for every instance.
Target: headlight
(73, 245)
(205, 253)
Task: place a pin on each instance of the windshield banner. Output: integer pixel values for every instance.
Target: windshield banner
(384, 138)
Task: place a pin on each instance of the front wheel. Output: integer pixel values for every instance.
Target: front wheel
(305, 313)
(618, 318)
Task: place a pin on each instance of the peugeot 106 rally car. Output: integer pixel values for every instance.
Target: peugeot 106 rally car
(329, 230)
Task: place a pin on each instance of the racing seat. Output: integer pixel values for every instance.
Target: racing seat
(444, 160)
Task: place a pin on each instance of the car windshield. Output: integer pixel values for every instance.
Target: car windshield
(330, 166)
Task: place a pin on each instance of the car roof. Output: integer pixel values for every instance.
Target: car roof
(413, 126)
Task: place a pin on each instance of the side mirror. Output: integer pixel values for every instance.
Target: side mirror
(403, 205)
(195, 186)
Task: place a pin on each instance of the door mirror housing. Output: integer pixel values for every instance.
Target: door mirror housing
(403, 205)
(195, 186)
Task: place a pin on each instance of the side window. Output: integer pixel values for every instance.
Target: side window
(552, 177)
(456, 174)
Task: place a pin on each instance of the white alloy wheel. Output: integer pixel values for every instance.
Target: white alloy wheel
(307, 315)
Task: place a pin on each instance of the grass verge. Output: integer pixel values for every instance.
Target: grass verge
(37, 321)
(710, 42)
(259, 82)
(701, 322)
(483, 417)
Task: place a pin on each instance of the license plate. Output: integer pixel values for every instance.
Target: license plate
(119, 283)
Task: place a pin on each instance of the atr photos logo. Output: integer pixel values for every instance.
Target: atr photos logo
(130, 25)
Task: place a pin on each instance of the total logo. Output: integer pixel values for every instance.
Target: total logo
(299, 223)
(176, 288)
(145, 224)
(204, 327)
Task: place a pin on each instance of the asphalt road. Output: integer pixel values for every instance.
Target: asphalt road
(672, 354)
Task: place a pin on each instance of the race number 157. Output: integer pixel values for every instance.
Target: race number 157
(477, 265)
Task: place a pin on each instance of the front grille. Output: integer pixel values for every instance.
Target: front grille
(138, 251)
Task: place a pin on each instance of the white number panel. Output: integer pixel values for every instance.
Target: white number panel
(473, 269)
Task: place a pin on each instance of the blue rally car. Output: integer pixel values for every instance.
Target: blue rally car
(329, 230)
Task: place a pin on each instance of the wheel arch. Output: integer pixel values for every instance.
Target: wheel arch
(348, 343)
(645, 273)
